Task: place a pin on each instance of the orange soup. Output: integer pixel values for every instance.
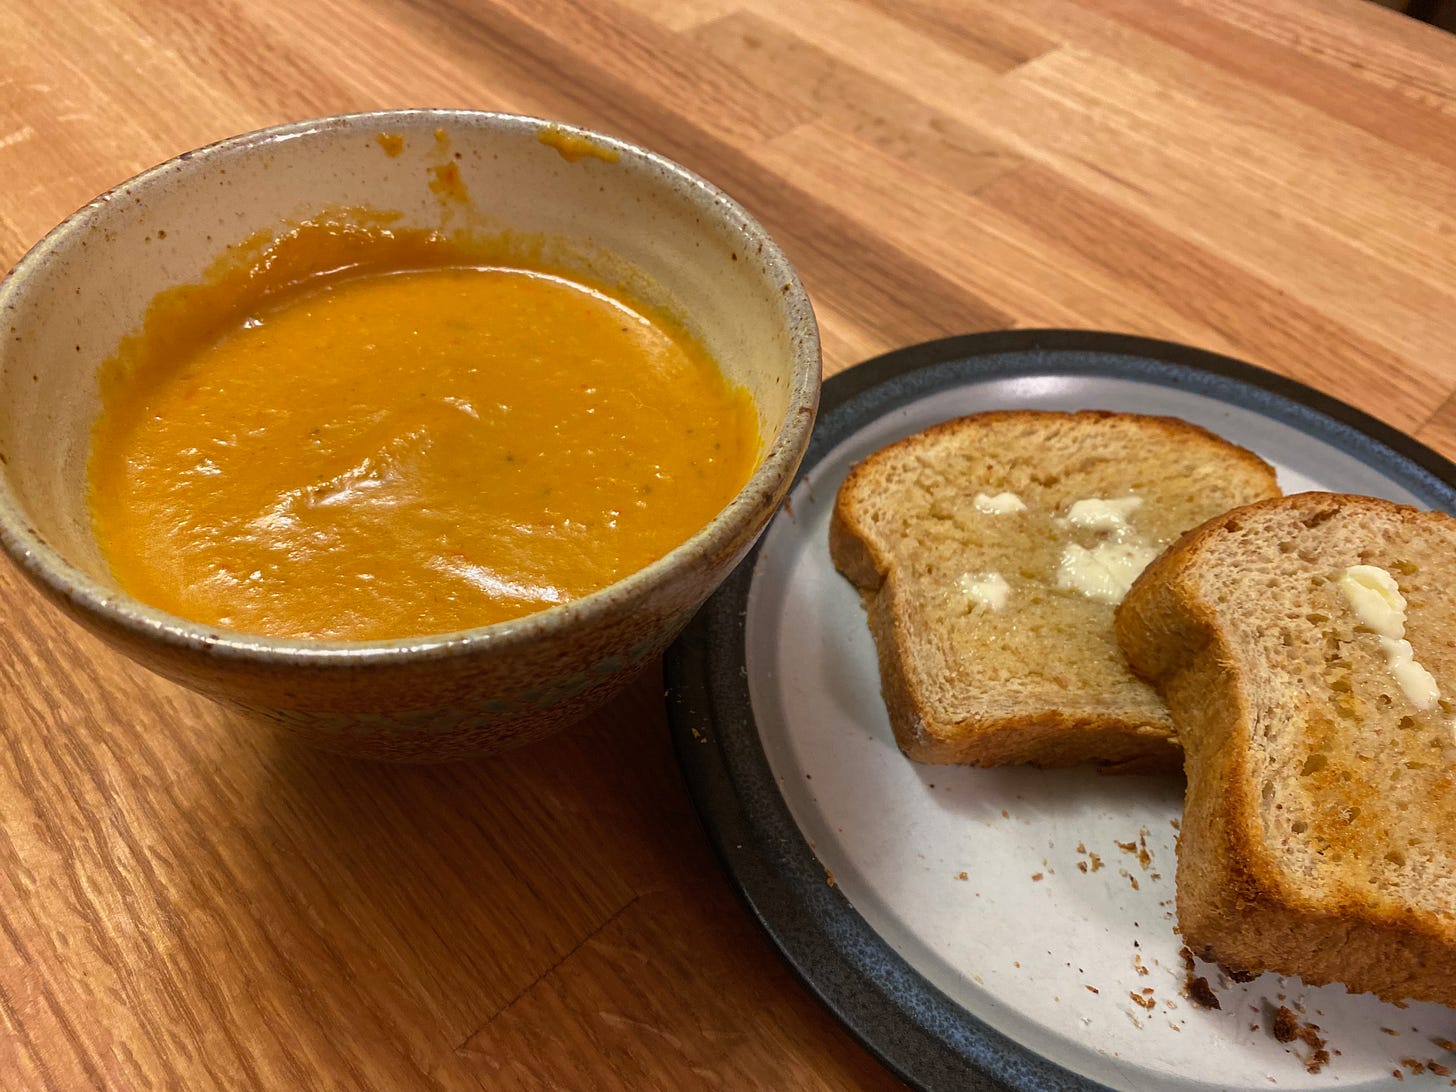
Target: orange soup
(383, 454)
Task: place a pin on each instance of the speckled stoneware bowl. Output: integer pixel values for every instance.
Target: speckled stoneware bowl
(70, 301)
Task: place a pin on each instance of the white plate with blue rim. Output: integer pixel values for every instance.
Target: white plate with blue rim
(1006, 928)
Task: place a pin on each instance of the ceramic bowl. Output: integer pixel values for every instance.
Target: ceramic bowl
(70, 301)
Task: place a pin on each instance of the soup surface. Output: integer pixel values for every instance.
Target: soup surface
(380, 455)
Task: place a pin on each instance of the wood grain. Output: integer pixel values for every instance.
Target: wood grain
(189, 901)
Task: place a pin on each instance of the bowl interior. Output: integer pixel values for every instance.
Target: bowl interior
(615, 212)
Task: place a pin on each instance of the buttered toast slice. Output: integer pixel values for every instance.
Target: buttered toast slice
(1307, 650)
(990, 552)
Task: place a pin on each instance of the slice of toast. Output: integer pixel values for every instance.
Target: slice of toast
(1319, 835)
(991, 597)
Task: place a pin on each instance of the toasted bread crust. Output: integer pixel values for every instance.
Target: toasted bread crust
(853, 549)
(1052, 738)
(1240, 901)
(1129, 739)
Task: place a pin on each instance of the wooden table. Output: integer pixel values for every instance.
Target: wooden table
(189, 901)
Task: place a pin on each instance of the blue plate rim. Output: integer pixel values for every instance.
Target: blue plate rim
(910, 1026)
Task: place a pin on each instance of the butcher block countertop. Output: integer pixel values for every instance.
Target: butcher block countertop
(190, 901)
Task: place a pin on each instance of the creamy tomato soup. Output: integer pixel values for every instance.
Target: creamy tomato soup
(379, 452)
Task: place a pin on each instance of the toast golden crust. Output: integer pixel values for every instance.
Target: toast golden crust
(1317, 837)
(971, 690)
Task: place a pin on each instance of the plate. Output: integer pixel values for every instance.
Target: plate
(1003, 928)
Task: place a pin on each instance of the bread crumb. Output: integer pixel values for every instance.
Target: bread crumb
(1390, 1031)
(1284, 1025)
(1096, 861)
(1036, 877)
(962, 876)
(1414, 1066)
(829, 877)
(1445, 1044)
(1081, 866)
(1201, 993)
(1146, 1002)
(1081, 847)
(1397, 1074)
(1438, 1069)
(1005, 814)
(1129, 877)
(1091, 989)
(1287, 1028)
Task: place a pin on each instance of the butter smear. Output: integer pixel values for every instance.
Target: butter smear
(1375, 598)
(1107, 570)
(988, 590)
(1100, 514)
(1001, 504)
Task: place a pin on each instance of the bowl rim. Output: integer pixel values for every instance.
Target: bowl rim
(114, 608)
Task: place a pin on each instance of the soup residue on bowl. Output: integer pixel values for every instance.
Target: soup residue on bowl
(417, 441)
